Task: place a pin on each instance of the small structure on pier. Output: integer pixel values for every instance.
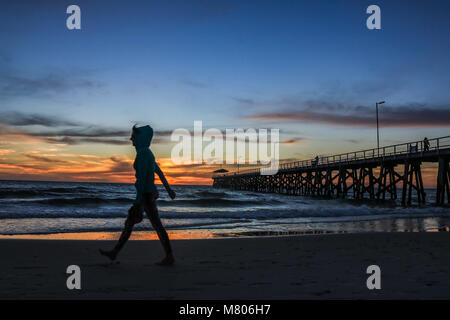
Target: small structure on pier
(372, 174)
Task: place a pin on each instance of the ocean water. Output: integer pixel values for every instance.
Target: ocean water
(33, 208)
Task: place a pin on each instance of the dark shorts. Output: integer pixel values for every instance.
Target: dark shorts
(136, 215)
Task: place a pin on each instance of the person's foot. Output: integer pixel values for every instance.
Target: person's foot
(110, 254)
(167, 261)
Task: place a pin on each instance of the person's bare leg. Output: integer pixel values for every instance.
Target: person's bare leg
(152, 213)
(112, 254)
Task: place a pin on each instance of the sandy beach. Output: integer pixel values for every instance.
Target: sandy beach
(413, 266)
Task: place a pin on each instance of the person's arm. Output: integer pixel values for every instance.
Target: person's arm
(163, 179)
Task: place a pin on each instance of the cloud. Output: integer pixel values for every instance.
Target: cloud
(44, 158)
(411, 115)
(84, 132)
(59, 130)
(5, 130)
(6, 151)
(63, 140)
(14, 166)
(292, 140)
(121, 165)
(14, 118)
(76, 140)
(105, 141)
(14, 83)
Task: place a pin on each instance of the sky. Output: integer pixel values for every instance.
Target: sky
(312, 69)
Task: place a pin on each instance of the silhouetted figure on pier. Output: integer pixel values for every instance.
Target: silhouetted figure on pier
(426, 144)
(146, 195)
(316, 161)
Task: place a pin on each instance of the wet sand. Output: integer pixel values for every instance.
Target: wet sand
(413, 266)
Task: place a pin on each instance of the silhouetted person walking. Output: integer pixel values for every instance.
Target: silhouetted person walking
(426, 144)
(146, 195)
(316, 161)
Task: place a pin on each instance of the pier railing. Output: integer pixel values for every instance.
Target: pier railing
(414, 147)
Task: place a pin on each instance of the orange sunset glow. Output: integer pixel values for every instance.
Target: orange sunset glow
(27, 157)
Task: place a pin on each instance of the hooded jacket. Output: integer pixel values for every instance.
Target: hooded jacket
(144, 164)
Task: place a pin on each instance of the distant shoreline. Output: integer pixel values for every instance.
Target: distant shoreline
(97, 182)
(195, 234)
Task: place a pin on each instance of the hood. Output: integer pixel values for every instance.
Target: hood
(143, 137)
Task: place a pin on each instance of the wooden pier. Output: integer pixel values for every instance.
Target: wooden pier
(368, 174)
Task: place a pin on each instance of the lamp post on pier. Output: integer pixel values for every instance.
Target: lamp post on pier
(378, 131)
